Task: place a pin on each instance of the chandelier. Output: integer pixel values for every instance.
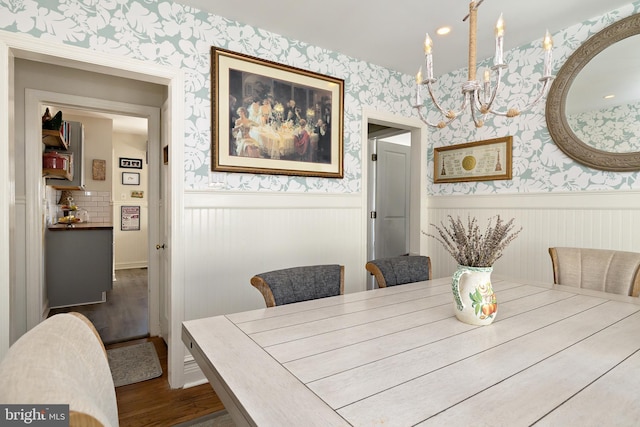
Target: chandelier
(479, 96)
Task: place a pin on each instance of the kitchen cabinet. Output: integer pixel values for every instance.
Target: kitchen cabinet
(78, 263)
(71, 146)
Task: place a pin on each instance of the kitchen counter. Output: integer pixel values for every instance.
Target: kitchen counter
(82, 226)
(78, 265)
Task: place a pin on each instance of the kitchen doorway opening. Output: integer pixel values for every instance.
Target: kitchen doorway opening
(92, 113)
(21, 283)
(119, 143)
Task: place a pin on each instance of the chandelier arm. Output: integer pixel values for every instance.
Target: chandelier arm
(445, 113)
(546, 83)
(509, 113)
(423, 118)
(478, 122)
(494, 93)
(439, 125)
(489, 93)
(476, 101)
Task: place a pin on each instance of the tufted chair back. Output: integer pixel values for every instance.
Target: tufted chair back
(297, 284)
(400, 270)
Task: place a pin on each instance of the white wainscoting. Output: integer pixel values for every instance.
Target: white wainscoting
(607, 220)
(229, 237)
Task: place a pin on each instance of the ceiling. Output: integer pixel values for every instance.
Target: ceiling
(391, 33)
(121, 123)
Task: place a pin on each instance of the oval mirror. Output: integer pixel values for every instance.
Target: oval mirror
(600, 133)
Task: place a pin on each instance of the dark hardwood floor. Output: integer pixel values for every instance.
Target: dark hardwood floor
(123, 320)
(153, 403)
(125, 314)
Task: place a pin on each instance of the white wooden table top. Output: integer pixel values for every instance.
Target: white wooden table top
(398, 357)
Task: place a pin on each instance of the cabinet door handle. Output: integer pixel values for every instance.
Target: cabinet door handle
(158, 247)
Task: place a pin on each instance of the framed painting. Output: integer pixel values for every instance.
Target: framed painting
(474, 161)
(274, 119)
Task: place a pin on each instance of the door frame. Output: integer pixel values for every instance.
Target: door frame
(34, 100)
(21, 46)
(418, 176)
(374, 190)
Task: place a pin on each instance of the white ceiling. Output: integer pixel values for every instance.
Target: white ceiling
(391, 33)
(121, 123)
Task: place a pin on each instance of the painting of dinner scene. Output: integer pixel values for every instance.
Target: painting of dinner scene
(274, 119)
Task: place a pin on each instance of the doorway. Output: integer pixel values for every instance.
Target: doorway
(406, 157)
(24, 294)
(390, 189)
(123, 314)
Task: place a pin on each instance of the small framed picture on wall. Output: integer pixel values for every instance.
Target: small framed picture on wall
(130, 218)
(127, 163)
(130, 178)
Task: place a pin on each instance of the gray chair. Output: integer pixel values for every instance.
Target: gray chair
(603, 270)
(297, 284)
(400, 270)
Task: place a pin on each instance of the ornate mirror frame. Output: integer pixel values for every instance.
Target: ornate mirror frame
(559, 128)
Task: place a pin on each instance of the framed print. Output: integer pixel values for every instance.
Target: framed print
(99, 170)
(129, 218)
(474, 161)
(274, 119)
(130, 178)
(127, 163)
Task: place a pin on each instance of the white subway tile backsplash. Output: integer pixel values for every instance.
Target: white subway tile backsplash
(96, 203)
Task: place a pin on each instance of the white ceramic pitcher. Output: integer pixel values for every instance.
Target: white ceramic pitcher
(474, 300)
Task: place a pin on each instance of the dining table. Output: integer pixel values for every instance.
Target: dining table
(397, 356)
(279, 143)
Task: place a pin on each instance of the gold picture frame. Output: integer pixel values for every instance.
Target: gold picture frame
(486, 160)
(274, 135)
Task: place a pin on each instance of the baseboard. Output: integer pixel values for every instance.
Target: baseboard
(193, 375)
(131, 265)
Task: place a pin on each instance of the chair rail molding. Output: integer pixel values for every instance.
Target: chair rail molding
(561, 200)
(198, 199)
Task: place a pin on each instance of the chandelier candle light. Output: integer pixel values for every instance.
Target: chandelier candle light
(479, 97)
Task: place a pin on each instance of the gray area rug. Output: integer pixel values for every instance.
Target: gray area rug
(134, 363)
(217, 419)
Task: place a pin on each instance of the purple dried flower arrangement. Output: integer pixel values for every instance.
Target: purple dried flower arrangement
(470, 247)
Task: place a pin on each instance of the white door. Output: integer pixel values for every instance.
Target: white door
(162, 246)
(390, 199)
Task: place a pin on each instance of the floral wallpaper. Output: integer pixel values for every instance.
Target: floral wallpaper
(178, 36)
(615, 129)
(538, 164)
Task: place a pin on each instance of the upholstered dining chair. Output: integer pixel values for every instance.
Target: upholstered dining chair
(604, 270)
(297, 284)
(400, 270)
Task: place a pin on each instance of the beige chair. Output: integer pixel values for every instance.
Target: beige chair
(62, 361)
(297, 284)
(400, 270)
(611, 271)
